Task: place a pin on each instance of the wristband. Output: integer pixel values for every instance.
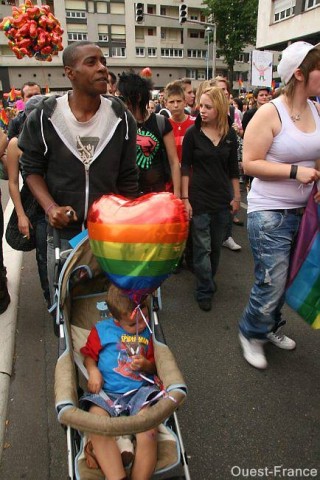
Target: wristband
(53, 204)
(293, 171)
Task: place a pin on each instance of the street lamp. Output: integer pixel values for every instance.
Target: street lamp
(208, 32)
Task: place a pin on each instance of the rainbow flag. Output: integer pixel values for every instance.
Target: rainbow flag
(4, 119)
(303, 290)
(138, 242)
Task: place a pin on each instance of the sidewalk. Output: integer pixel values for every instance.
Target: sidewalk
(8, 319)
(34, 442)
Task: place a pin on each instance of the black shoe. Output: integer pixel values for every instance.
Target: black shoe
(4, 295)
(205, 305)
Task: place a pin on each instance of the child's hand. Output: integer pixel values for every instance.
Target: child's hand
(95, 381)
(138, 362)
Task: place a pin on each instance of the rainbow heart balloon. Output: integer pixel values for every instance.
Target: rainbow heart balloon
(138, 242)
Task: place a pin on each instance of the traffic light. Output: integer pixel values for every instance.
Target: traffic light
(139, 12)
(183, 13)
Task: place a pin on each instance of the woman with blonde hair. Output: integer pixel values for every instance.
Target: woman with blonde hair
(210, 152)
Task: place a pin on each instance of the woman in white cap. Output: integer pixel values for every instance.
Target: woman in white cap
(282, 152)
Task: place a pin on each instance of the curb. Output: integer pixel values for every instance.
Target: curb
(8, 321)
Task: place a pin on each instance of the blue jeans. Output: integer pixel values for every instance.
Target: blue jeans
(271, 235)
(208, 232)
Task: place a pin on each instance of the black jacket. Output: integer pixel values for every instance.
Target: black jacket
(48, 150)
(210, 168)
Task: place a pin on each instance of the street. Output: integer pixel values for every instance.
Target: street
(235, 418)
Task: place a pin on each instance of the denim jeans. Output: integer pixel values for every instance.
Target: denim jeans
(271, 235)
(208, 232)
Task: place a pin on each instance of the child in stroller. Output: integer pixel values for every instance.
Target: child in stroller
(117, 350)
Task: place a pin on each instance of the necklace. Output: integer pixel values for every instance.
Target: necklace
(296, 117)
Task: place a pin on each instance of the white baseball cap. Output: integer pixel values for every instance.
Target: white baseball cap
(291, 59)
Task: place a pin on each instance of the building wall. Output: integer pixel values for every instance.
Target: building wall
(303, 24)
(112, 25)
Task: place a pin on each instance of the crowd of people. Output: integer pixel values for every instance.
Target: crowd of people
(197, 144)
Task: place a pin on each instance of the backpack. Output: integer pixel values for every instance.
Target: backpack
(161, 124)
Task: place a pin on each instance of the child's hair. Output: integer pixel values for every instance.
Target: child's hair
(173, 88)
(119, 304)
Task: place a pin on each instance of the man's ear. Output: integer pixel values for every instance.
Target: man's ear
(69, 72)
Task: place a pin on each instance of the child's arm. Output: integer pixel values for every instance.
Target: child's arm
(95, 380)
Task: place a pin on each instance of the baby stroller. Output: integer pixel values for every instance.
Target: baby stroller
(80, 293)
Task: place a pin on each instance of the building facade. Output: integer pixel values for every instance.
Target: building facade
(281, 22)
(171, 50)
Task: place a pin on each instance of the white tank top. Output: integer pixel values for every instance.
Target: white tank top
(289, 146)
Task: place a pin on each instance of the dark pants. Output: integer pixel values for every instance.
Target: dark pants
(208, 232)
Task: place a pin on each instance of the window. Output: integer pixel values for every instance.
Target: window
(191, 74)
(74, 4)
(201, 75)
(103, 37)
(283, 9)
(118, 51)
(103, 33)
(151, 9)
(74, 36)
(311, 4)
(172, 52)
(152, 52)
(243, 57)
(118, 32)
(102, 7)
(163, 11)
(151, 32)
(196, 53)
(75, 14)
(117, 8)
(140, 52)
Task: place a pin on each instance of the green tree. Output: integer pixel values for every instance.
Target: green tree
(236, 22)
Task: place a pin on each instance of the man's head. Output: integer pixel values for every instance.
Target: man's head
(175, 98)
(112, 83)
(29, 89)
(223, 83)
(85, 66)
(261, 95)
(189, 94)
(161, 97)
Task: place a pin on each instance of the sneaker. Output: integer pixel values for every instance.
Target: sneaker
(253, 351)
(280, 340)
(205, 305)
(231, 244)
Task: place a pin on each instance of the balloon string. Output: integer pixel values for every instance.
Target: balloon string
(135, 314)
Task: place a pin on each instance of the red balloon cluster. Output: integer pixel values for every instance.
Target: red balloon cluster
(33, 31)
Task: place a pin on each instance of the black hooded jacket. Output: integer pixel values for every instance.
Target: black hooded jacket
(49, 150)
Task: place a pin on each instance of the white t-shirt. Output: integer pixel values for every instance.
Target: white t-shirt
(86, 135)
(294, 147)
